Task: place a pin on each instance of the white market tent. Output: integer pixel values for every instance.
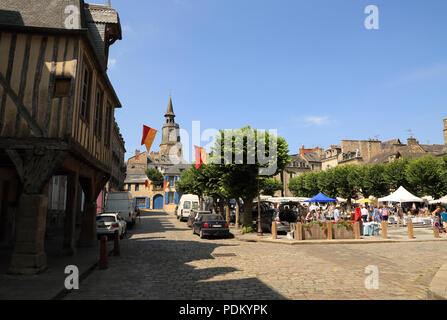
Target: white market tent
(401, 195)
(443, 200)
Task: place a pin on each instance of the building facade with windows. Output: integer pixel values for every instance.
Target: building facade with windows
(57, 108)
(169, 161)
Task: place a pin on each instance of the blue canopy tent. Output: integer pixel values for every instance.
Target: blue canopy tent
(321, 198)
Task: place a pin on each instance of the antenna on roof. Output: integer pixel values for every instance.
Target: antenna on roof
(109, 4)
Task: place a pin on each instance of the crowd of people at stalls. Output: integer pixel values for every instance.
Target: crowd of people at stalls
(372, 213)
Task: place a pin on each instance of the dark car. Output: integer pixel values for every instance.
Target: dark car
(267, 216)
(288, 213)
(211, 225)
(195, 214)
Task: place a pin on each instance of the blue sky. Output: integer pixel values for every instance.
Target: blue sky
(307, 68)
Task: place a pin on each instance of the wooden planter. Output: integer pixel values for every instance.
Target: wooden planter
(320, 233)
(343, 233)
(314, 233)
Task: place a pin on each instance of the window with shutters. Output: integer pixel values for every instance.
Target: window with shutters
(98, 111)
(85, 93)
(108, 124)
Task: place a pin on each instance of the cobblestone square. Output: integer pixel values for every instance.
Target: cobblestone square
(162, 259)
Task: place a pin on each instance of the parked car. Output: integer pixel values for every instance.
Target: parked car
(211, 225)
(187, 203)
(121, 203)
(108, 223)
(267, 216)
(287, 213)
(195, 214)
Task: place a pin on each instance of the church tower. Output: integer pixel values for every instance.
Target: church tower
(170, 134)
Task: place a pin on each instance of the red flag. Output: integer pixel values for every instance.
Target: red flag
(148, 137)
(200, 157)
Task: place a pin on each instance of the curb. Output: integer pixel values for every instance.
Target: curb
(438, 286)
(329, 242)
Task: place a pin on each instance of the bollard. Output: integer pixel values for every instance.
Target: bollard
(116, 246)
(384, 230)
(410, 230)
(329, 230)
(299, 231)
(436, 232)
(357, 230)
(103, 254)
(274, 232)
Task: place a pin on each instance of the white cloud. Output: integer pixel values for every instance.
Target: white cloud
(317, 121)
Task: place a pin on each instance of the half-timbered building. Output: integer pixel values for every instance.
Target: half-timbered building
(57, 109)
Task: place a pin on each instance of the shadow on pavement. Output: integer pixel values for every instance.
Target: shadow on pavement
(152, 268)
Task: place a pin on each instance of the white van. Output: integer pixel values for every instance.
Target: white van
(121, 203)
(187, 203)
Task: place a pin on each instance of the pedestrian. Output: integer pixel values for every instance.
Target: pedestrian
(337, 214)
(377, 215)
(364, 213)
(400, 214)
(444, 218)
(310, 216)
(385, 213)
(358, 218)
(437, 218)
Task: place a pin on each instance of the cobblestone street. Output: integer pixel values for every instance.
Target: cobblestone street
(162, 259)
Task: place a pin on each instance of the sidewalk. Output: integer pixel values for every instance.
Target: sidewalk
(395, 235)
(49, 284)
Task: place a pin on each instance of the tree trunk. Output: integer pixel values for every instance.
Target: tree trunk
(214, 206)
(221, 207)
(201, 203)
(237, 213)
(247, 217)
(227, 210)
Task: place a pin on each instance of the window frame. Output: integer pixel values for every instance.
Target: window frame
(86, 92)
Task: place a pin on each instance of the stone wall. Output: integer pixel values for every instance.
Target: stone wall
(139, 161)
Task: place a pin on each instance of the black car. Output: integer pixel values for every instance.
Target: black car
(211, 225)
(267, 216)
(194, 215)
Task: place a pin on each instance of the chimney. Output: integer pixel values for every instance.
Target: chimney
(137, 153)
(412, 141)
(445, 131)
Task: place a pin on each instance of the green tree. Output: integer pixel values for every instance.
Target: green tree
(347, 180)
(246, 154)
(425, 177)
(327, 183)
(372, 181)
(269, 186)
(395, 174)
(155, 176)
(298, 186)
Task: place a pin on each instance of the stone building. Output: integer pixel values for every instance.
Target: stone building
(57, 107)
(169, 161)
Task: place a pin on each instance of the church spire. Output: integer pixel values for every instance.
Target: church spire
(170, 111)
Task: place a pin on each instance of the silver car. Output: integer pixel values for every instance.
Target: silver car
(108, 223)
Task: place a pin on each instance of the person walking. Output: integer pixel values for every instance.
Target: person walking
(364, 213)
(337, 213)
(400, 215)
(385, 213)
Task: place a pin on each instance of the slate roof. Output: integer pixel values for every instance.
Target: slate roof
(135, 176)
